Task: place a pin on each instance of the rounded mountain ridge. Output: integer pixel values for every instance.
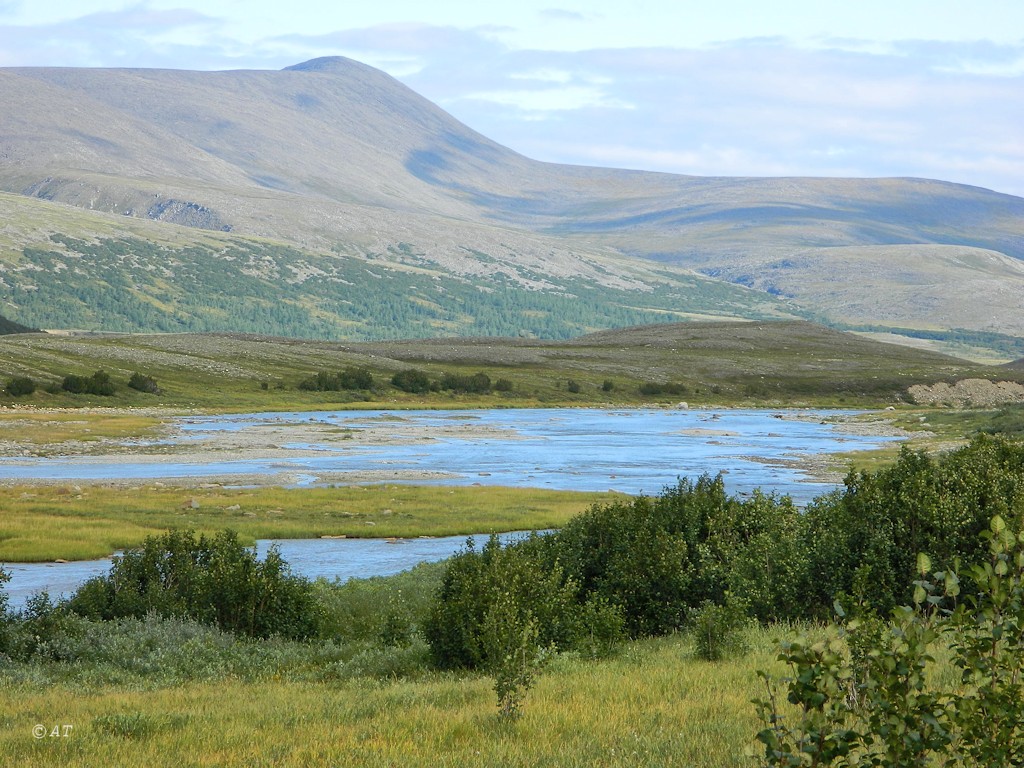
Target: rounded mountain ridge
(327, 64)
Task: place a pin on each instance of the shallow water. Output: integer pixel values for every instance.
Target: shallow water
(635, 451)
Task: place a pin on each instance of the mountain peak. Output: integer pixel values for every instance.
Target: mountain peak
(327, 64)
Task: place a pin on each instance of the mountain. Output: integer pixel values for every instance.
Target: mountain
(312, 177)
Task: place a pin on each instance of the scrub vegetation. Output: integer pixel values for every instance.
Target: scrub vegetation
(588, 646)
(702, 363)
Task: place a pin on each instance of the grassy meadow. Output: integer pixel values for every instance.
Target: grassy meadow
(49, 522)
(653, 705)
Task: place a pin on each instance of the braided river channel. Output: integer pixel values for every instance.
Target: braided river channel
(636, 451)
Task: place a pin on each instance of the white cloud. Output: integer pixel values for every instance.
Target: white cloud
(551, 99)
(561, 14)
(544, 76)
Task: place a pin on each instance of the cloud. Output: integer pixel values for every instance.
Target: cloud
(135, 36)
(560, 14)
(571, 98)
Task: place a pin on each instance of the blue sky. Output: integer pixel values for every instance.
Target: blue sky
(931, 88)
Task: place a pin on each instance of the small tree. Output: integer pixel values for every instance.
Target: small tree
(212, 579)
(5, 623)
(511, 639)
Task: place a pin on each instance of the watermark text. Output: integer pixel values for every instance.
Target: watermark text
(59, 731)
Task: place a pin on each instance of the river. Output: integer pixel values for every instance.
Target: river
(630, 450)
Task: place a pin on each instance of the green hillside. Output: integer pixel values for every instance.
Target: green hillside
(776, 362)
(122, 275)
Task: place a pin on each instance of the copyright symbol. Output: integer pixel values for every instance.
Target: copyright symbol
(39, 731)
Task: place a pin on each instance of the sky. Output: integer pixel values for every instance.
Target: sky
(926, 88)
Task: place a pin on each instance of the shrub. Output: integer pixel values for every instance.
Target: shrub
(503, 385)
(517, 585)
(718, 629)
(5, 618)
(348, 379)
(885, 706)
(20, 386)
(511, 639)
(411, 380)
(863, 541)
(607, 385)
(387, 609)
(573, 386)
(478, 383)
(654, 388)
(214, 579)
(99, 383)
(143, 383)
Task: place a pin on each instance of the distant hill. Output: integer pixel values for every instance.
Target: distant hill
(711, 363)
(345, 167)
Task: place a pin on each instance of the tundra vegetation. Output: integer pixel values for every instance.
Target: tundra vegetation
(707, 363)
(631, 636)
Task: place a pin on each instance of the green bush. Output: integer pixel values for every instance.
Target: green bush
(6, 620)
(1008, 420)
(718, 630)
(20, 386)
(863, 541)
(412, 380)
(38, 624)
(478, 383)
(870, 695)
(347, 379)
(654, 388)
(143, 383)
(99, 383)
(517, 583)
(387, 609)
(213, 579)
(573, 386)
(503, 385)
(658, 559)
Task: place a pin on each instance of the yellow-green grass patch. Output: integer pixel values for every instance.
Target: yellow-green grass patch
(30, 427)
(655, 705)
(39, 523)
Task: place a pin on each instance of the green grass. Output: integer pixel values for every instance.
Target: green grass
(654, 705)
(41, 523)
